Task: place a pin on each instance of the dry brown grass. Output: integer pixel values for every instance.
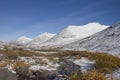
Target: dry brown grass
(91, 75)
(19, 64)
(4, 63)
(13, 53)
(105, 63)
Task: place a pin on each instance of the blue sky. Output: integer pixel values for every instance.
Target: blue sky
(32, 17)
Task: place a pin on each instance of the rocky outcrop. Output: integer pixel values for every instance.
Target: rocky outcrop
(5, 74)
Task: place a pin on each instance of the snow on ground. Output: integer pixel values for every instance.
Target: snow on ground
(115, 75)
(45, 52)
(40, 63)
(9, 67)
(85, 64)
(1, 48)
(5, 64)
(49, 67)
(36, 64)
(27, 59)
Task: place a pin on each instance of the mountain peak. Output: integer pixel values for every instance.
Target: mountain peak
(46, 34)
(83, 30)
(24, 37)
(87, 25)
(21, 40)
(70, 34)
(40, 39)
(107, 41)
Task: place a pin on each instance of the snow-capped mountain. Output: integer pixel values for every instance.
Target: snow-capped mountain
(71, 34)
(40, 39)
(107, 40)
(21, 41)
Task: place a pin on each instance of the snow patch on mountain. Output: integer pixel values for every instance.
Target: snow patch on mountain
(21, 41)
(71, 34)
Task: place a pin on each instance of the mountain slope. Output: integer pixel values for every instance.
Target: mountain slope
(21, 41)
(40, 39)
(107, 40)
(71, 34)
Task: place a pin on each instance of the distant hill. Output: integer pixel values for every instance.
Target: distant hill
(40, 39)
(21, 41)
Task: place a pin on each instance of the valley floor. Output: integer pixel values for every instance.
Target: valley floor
(19, 64)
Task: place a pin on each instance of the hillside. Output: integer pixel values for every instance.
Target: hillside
(107, 41)
(40, 39)
(21, 41)
(71, 34)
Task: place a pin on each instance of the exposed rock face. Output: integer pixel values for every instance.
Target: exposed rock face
(51, 71)
(7, 75)
(107, 40)
(67, 68)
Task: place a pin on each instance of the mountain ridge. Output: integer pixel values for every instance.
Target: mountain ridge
(71, 34)
(106, 41)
